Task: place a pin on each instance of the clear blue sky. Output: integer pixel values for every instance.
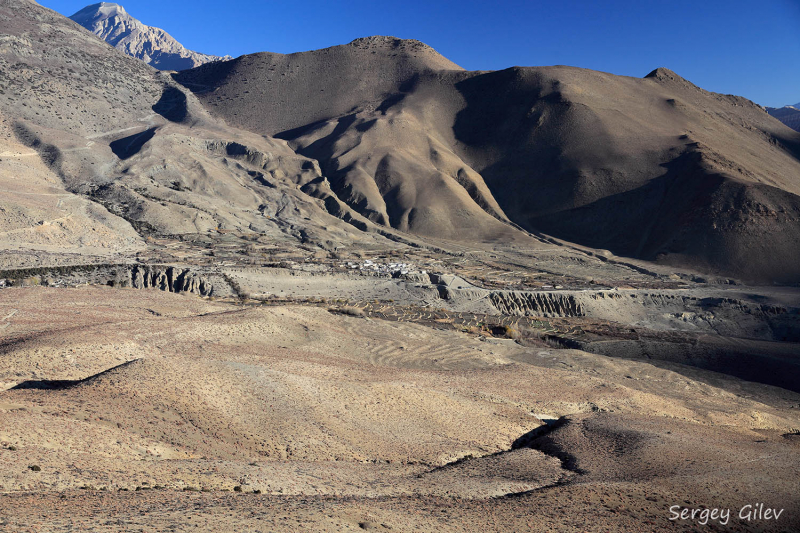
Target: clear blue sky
(745, 47)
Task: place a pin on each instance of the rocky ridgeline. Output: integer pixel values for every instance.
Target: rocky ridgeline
(154, 46)
(169, 279)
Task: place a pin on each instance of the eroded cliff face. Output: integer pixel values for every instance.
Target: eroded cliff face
(735, 317)
(546, 304)
(169, 279)
(166, 278)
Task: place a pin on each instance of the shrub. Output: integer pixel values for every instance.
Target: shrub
(349, 311)
(35, 468)
(505, 331)
(237, 488)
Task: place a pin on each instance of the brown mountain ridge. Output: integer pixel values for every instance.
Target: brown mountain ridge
(654, 168)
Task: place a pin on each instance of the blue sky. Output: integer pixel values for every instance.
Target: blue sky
(749, 48)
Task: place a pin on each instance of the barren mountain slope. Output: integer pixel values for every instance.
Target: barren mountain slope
(65, 95)
(154, 46)
(254, 348)
(38, 214)
(117, 138)
(654, 168)
(271, 93)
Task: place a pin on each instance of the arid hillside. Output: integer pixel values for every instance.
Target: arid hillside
(654, 168)
(100, 151)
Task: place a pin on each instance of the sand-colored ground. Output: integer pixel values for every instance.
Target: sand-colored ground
(338, 421)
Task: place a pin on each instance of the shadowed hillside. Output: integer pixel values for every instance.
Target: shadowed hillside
(654, 168)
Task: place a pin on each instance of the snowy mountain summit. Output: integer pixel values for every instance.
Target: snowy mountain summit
(152, 45)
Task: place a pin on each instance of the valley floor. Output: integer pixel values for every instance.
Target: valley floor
(141, 410)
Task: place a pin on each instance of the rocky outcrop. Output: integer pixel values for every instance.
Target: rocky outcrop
(275, 166)
(170, 279)
(546, 304)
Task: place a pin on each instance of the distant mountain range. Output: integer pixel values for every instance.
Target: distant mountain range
(789, 115)
(152, 45)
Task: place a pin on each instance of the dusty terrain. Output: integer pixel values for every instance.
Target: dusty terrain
(361, 288)
(335, 420)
